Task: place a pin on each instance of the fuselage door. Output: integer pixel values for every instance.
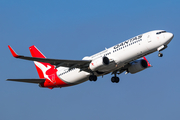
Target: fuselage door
(149, 38)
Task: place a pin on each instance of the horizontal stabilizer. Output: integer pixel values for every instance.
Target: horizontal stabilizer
(28, 80)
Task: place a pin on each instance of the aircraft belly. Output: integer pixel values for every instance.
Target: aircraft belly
(107, 68)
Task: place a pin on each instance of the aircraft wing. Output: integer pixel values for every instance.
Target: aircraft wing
(28, 80)
(82, 64)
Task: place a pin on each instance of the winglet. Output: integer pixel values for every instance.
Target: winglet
(149, 65)
(13, 52)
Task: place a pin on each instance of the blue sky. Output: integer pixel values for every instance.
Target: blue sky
(73, 29)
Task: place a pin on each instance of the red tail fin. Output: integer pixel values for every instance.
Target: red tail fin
(44, 69)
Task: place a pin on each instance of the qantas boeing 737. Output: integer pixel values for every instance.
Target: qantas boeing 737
(123, 57)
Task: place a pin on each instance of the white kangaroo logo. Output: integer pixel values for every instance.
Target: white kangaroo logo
(43, 68)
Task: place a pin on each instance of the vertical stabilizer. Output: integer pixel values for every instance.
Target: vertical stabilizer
(43, 69)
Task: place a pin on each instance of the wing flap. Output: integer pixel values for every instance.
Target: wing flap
(28, 80)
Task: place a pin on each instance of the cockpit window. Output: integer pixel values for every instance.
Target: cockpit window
(163, 32)
(160, 32)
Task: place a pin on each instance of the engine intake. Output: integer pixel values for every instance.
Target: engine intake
(97, 63)
(137, 66)
(106, 60)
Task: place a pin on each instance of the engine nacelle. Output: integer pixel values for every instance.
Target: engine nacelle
(137, 66)
(97, 63)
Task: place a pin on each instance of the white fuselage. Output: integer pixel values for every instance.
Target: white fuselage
(119, 55)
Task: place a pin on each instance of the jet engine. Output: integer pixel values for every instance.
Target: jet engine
(98, 63)
(137, 66)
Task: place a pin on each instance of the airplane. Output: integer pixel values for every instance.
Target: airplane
(128, 56)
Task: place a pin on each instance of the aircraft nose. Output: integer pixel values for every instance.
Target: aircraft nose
(169, 36)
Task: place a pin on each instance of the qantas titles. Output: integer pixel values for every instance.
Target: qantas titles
(127, 42)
